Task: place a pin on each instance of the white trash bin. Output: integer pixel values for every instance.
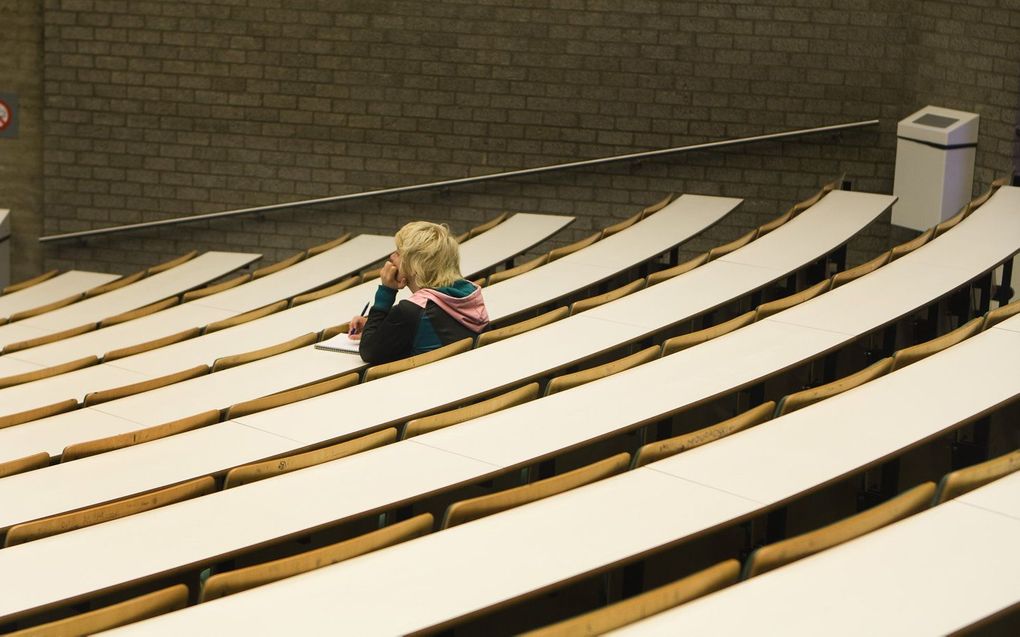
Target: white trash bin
(935, 152)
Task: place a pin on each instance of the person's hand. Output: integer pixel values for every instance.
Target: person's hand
(390, 276)
(356, 327)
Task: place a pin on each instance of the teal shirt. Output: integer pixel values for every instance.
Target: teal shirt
(425, 338)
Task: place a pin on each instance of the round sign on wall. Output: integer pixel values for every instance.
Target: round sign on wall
(5, 115)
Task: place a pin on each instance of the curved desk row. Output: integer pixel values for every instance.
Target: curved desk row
(508, 556)
(381, 401)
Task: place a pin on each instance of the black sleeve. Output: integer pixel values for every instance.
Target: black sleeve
(389, 336)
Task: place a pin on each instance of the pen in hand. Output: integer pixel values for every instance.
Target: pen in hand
(353, 329)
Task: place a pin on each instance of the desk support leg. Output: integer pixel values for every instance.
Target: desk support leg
(960, 305)
(633, 579)
(1005, 290)
(888, 341)
(887, 487)
(775, 525)
(970, 450)
(985, 286)
(755, 395)
(838, 259)
(546, 469)
(830, 367)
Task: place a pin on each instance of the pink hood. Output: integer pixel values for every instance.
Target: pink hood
(469, 310)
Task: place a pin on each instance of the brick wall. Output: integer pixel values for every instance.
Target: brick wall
(161, 109)
(21, 158)
(968, 57)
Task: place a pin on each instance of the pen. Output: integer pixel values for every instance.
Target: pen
(364, 311)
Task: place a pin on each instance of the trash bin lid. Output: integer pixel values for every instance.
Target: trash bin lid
(942, 127)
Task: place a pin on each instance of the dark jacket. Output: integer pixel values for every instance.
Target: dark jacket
(426, 321)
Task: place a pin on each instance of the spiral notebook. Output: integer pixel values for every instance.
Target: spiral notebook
(339, 343)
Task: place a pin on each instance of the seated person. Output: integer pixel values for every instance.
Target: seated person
(443, 307)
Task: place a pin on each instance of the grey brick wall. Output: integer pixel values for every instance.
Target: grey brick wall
(21, 26)
(968, 57)
(161, 109)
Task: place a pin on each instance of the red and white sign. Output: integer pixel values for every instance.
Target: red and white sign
(6, 116)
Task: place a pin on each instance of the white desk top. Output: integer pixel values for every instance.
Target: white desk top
(1003, 497)
(1009, 325)
(12, 366)
(159, 464)
(839, 214)
(372, 404)
(905, 411)
(516, 235)
(422, 598)
(21, 331)
(346, 258)
(244, 510)
(714, 282)
(98, 342)
(270, 330)
(1000, 227)
(436, 577)
(556, 345)
(181, 278)
(816, 431)
(682, 219)
(532, 430)
(900, 284)
(700, 290)
(263, 332)
(677, 381)
(527, 428)
(672, 382)
(214, 391)
(835, 217)
(513, 236)
(27, 396)
(237, 384)
(954, 565)
(547, 282)
(332, 310)
(477, 371)
(998, 350)
(975, 245)
(51, 290)
(55, 433)
(316, 271)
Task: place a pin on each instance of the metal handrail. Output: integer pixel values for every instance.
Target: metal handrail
(461, 181)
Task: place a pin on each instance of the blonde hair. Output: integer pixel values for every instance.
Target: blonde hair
(429, 255)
